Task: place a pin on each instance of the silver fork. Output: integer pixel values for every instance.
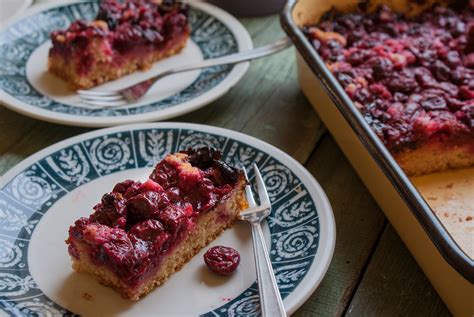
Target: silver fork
(130, 94)
(270, 299)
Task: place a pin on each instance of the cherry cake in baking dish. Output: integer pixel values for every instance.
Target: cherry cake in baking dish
(124, 37)
(412, 78)
(140, 233)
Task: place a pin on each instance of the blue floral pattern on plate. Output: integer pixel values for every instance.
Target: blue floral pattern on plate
(19, 41)
(293, 224)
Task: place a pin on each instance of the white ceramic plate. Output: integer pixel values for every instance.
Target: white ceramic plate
(44, 194)
(27, 87)
(10, 8)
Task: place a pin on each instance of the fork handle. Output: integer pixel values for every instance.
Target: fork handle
(134, 92)
(233, 58)
(270, 299)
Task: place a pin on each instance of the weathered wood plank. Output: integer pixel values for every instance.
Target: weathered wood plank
(12, 126)
(359, 223)
(394, 284)
(22, 136)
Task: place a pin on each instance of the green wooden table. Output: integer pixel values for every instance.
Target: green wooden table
(372, 273)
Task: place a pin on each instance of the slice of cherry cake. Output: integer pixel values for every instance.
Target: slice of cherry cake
(412, 78)
(124, 37)
(140, 233)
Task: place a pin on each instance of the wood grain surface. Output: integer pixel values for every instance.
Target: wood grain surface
(394, 285)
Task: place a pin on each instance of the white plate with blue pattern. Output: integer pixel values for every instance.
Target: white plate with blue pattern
(44, 194)
(27, 87)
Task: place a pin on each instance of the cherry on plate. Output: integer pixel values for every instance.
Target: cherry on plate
(222, 260)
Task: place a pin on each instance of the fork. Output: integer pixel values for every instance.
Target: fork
(270, 299)
(132, 93)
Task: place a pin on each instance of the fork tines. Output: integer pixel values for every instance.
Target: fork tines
(262, 190)
(102, 98)
(262, 194)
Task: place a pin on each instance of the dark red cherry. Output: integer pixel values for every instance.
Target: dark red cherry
(222, 260)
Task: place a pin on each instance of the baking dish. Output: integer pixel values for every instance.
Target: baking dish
(449, 269)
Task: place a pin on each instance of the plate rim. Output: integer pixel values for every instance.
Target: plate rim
(242, 37)
(327, 233)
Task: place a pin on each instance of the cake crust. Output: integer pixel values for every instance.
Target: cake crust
(435, 157)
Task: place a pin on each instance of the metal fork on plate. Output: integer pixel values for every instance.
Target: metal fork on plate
(270, 299)
(130, 94)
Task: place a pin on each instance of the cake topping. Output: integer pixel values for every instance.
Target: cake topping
(222, 260)
(412, 78)
(111, 211)
(151, 231)
(132, 21)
